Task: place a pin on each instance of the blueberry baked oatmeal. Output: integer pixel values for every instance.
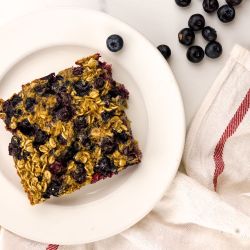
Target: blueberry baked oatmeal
(69, 130)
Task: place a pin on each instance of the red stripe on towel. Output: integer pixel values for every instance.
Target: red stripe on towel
(52, 247)
(229, 131)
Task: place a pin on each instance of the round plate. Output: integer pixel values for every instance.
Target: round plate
(49, 41)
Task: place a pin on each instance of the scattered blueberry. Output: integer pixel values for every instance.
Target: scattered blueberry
(165, 50)
(77, 71)
(26, 128)
(59, 78)
(108, 145)
(30, 104)
(195, 54)
(114, 43)
(210, 5)
(79, 175)
(69, 154)
(209, 34)
(226, 13)
(183, 3)
(233, 2)
(213, 49)
(186, 36)
(196, 22)
(81, 87)
(64, 114)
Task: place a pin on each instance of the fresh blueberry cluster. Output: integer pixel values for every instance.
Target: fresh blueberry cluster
(186, 36)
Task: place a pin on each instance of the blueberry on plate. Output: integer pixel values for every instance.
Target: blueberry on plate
(233, 2)
(209, 34)
(195, 54)
(196, 22)
(226, 13)
(210, 5)
(183, 3)
(213, 49)
(186, 36)
(114, 43)
(165, 50)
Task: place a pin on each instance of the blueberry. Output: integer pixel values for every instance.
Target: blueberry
(123, 136)
(165, 50)
(77, 71)
(59, 78)
(14, 147)
(99, 82)
(26, 128)
(226, 13)
(69, 154)
(196, 22)
(17, 113)
(209, 34)
(80, 123)
(233, 2)
(106, 115)
(16, 99)
(213, 49)
(108, 145)
(30, 104)
(50, 78)
(40, 138)
(82, 88)
(79, 175)
(183, 3)
(64, 114)
(210, 5)
(186, 36)
(122, 91)
(105, 167)
(56, 168)
(40, 89)
(195, 54)
(53, 189)
(61, 140)
(114, 43)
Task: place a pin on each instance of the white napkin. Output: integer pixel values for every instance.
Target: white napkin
(192, 215)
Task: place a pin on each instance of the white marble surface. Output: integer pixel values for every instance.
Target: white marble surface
(160, 21)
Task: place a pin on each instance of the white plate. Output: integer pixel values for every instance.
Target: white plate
(47, 41)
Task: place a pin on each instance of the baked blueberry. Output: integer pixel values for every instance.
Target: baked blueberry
(183, 3)
(56, 168)
(196, 22)
(105, 167)
(79, 174)
(210, 5)
(40, 138)
(99, 82)
(30, 104)
(26, 128)
(82, 88)
(195, 54)
(14, 148)
(209, 33)
(114, 43)
(213, 49)
(186, 36)
(165, 50)
(77, 71)
(233, 2)
(226, 13)
(53, 188)
(108, 145)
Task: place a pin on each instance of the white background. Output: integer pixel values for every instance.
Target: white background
(160, 21)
